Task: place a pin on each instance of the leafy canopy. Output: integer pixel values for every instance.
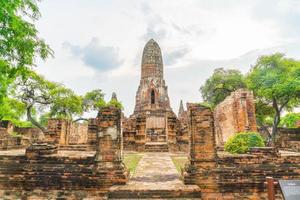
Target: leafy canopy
(93, 100)
(221, 84)
(19, 41)
(275, 81)
(290, 120)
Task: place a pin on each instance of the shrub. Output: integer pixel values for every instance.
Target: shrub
(241, 142)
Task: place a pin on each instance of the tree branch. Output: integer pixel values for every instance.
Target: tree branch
(32, 120)
(80, 118)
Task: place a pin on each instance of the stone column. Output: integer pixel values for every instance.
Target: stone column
(203, 157)
(108, 160)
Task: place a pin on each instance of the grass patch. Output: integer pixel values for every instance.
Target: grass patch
(179, 162)
(131, 160)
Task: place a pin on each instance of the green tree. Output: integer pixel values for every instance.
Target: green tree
(290, 120)
(221, 84)
(275, 81)
(35, 93)
(93, 100)
(39, 94)
(66, 104)
(19, 41)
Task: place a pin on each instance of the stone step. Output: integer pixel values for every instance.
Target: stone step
(188, 192)
(74, 147)
(156, 147)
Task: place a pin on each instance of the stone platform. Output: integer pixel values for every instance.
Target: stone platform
(155, 177)
(156, 147)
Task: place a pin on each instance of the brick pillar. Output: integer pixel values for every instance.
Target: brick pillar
(108, 160)
(202, 160)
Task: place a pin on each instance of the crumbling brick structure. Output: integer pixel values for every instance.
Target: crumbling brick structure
(8, 141)
(46, 171)
(235, 114)
(226, 176)
(202, 149)
(288, 139)
(66, 133)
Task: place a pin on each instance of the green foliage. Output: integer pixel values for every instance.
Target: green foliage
(206, 104)
(93, 100)
(11, 109)
(116, 103)
(276, 77)
(275, 81)
(221, 84)
(290, 120)
(44, 118)
(241, 142)
(65, 103)
(19, 41)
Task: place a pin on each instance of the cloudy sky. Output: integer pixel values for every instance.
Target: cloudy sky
(98, 44)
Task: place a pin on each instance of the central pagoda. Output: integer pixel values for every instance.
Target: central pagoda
(152, 93)
(152, 124)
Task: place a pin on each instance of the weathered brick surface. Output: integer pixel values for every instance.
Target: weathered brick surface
(64, 132)
(226, 176)
(288, 139)
(202, 149)
(9, 142)
(235, 114)
(43, 167)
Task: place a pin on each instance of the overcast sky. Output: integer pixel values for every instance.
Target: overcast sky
(98, 44)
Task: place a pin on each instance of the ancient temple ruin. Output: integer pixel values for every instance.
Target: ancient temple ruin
(85, 160)
(153, 125)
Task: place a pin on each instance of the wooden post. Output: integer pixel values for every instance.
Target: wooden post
(270, 187)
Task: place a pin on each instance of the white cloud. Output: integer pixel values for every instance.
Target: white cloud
(195, 36)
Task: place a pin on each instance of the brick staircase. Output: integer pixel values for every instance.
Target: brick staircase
(156, 147)
(186, 192)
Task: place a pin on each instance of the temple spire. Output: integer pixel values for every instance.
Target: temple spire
(181, 109)
(152, 63)
(114, 96)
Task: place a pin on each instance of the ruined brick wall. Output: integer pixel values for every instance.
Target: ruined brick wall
(78, 133)
(288, 139)
(182, 135)
(202, 149)
(32, 134)
(235, 114)
(129, 134)
(68, 174)
(64, 132)
(7, 141)
(92, 132)
(171, 131)
(140, 132)
(227, 176)
(57, 131)
(20, 174)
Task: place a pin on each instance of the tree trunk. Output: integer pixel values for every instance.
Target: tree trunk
(274, 128)
(32, 120)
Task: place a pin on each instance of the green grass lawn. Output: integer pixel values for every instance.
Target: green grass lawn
(131, 160)
(179, 162)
